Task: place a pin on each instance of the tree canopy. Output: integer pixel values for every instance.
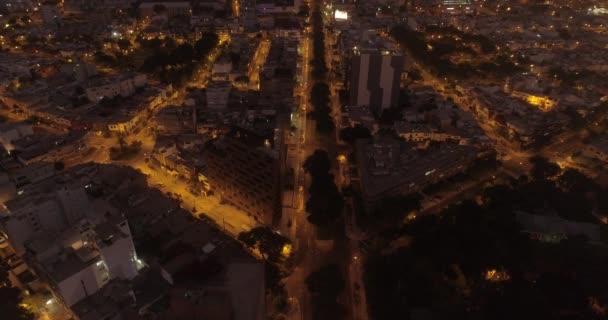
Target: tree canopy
(317, 163)
(475, 261)
(351, 134)
(325, 285)
(542, 168)
(319, 66)
(320, 100)
(325, 203)
(10, 298)
(270, 244)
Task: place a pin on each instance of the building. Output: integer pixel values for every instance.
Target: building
(221, 69)
(553, 229)
(375, 76)
(452, 3)
(76, 242)
(16, 5)
(217, 94)
(83, 259)
(597, 149)
(171, 8)
(264, 7)
(10, 132)
(425, 132)
(81, 70)
(51, 13)
(241, 170)
(389, 167)
(248, 16)
(134, 111)
(110, 87)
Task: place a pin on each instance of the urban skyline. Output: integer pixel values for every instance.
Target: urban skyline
(303, 159)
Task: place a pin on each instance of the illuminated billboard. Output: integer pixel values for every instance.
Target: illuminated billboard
(340, 15)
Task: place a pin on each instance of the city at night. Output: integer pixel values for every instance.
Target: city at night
(303, 159)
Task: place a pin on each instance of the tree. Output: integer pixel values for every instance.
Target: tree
(79, 90)
(152, 44)
(318, 163)
(184, 53)
(235, 58)
(10, 298)
(59, 165)
(319, 98)
(318, 62)
(572, 180)
(414, 75)
(271, 245)
(319, 94)
(325, 203)
(304, 10)
(159, 8)
(205, 44)
(542, 168)
(325, 285)
(326, 281)
(350, 135)
(121, 142)
(392, 210)
(104, 59)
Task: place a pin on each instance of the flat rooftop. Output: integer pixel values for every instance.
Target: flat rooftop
(385, 163)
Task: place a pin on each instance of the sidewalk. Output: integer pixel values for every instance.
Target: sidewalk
(226, 217)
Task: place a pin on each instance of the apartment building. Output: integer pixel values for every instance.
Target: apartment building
(390, 167)
(375, 74)
(83, 259)
(264, 7)
(72, 240)
(110, 87)
(241, 170)
(172, 8)
(597, 149)
(217, 93)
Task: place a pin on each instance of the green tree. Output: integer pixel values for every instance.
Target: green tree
(572, 180)
(327, 281)
(184, 53)
(205, 44)
(269, 243)
(318, 163)
(304, 10)
(59, 165)
(542, 168)
(159, 8)
(320, 99)
(325, 203)
(392, 210)
(350, 135)
(325, 285)
(124, 44)
(10, 298)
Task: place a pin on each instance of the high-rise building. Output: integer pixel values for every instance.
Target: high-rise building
(72, 240)
(375, 75)
(456, 2)
(245, 172)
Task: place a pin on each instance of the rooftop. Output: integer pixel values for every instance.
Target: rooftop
(386, 164)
